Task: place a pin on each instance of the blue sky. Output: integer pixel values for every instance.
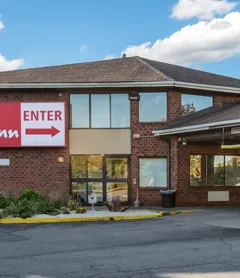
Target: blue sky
(43, 33)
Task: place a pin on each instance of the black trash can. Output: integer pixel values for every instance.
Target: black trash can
(168, 198)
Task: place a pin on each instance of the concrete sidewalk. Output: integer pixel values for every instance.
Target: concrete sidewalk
(97, 215)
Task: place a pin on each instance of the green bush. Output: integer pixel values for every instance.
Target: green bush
(46, 207)
(3, 213)
(12, 210)
(65, 211)
(10, 196)
(26, 208)
(28, 204)
(3, 202)
(59, 203)
(30, 195)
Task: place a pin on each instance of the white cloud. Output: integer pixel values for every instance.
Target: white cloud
(84, 48)
(1, 25)
(109, 57)
(9, 64)
(203, 9)
(199, 43)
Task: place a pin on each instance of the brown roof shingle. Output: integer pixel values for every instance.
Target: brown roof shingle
(116, 70)
(227, 112)
(183, 74)
(132, 69)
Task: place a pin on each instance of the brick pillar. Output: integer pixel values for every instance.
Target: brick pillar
(173, 162)
(174, 111)
(203, 170)
(210, 171)
(134, 108)
(174, 105)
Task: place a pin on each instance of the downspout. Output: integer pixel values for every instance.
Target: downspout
(169, 163)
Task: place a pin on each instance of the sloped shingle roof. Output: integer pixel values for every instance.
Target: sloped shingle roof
(188, 75)
(227, 112)
(132, 69)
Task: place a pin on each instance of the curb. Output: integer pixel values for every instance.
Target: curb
(76, 219)
(89, 219)
(176, 212)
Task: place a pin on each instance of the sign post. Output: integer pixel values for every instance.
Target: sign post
(92, 199)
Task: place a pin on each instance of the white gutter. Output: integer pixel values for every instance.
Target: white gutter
(152, 84)
(194, 128)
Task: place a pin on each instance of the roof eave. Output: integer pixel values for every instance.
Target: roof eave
(195, 128)
(149, 84)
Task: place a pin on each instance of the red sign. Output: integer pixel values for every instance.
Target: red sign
(10, 124)
(32, 124)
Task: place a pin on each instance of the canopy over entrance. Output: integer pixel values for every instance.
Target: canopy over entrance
(215, 125)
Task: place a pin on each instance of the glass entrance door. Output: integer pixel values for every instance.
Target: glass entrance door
(116, 179)
(106, 176)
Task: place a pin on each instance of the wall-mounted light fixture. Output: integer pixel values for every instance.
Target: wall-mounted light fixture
(134, 96)
(60, 159)
(184, 142)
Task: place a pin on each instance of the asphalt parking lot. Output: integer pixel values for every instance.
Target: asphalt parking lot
(200, 244)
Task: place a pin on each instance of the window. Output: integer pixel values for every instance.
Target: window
(120, 111)
(100, 111)
(117, 189)
(153, 107)
(79, 166)
(153, 172)
(79, 188)
(193, 103)
(196, 170)
(96, 188)
(86, 176)
(117, 168)
(94, 166)
(214, 170)
(79, 111)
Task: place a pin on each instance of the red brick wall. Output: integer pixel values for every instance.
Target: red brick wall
(192, 195)
(179, 162)
(149, 146)
(198, 196)
(38, 168)
(35, 168)
(219, 99)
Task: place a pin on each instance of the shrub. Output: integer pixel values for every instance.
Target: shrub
(30, 195)
(59, 203)
(12, 210)
(10, 196)
(72, 205)
(26, 208)
(46, 207)
(65, 211)
(3, 213)
(28, 204)
(3, 202)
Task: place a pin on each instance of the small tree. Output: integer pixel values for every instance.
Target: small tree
(188, 109)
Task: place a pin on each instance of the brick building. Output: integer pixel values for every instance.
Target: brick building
(132, 124)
